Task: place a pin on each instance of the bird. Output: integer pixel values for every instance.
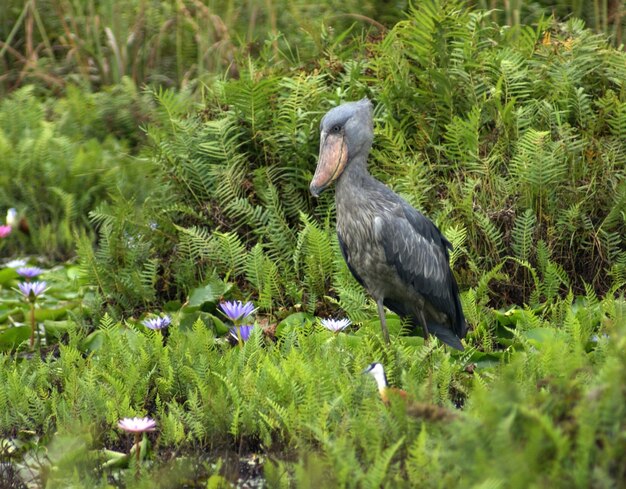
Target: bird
(415, 409)
(377, 371)
(16, 221)
(391, 249)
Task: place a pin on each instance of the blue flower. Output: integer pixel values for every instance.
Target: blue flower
(32, 290)
(597, 338)
(335, 325)
(157, 323)
(236, 311)
(244, 331)
(29, 272)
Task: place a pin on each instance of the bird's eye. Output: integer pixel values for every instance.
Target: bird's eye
(335, 129)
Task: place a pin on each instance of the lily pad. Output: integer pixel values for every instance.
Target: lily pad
(52, 314)
(537, 336)
(509, 317)
(73, 272)
(210, 292)
(12, 337)
(486, 360)
(7, 275)
(5, 314)
(220, 327)
(394, 325)
(189, 316)
(172, 306)
(57, 328)
(94, 341)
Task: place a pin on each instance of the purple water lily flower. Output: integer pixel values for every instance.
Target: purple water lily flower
(236, 311)
(157, 323)
(137, 425)
(244, 331)
(335, 325)
(597, 338)
(32, 290)
(29, 272)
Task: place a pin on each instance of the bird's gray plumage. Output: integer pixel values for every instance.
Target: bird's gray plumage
(394, 251)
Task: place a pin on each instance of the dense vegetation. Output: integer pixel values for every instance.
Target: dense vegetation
(510, 137)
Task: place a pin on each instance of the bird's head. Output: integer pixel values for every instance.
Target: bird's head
(11, 218)
(377, 371)
(346, 131)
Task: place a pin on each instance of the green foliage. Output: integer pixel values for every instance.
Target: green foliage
(511, 140)
(522, 234)
(59, 163)
(504, 140)
(601, 16)
(552, 401)
(166, 43)
(511, 129)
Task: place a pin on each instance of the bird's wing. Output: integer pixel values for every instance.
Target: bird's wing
(419, 253)
(344, 252)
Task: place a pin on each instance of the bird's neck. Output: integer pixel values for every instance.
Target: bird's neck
(383, 395)
(354, 176)
(382, 384)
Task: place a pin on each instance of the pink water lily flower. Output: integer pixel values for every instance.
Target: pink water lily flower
(5, 231)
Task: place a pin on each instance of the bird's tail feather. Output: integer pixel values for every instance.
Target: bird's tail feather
(446, 335)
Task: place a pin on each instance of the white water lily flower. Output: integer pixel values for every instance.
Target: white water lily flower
(137, 425)
(335, 325)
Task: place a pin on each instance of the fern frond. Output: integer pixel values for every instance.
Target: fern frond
(522, 234)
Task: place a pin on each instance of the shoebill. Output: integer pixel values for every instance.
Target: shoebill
(392, 250)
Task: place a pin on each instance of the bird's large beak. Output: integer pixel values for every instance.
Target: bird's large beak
(331, 162)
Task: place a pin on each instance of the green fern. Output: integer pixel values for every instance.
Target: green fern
(523, 234)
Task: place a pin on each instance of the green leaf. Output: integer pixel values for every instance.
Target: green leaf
(53, 314)
(394, 325)
(4, 314)
(114, 460)
(537, 336)
(7, 275)
(211, 292)
(172, 306)
(294, 322)
(189, 316)
(57, 328)
(218, 324)
(12, 337)
(73, 272)
(509, 317)
(94, 341)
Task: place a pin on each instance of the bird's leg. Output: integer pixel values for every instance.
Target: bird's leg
(424, 325)
(383, 320)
